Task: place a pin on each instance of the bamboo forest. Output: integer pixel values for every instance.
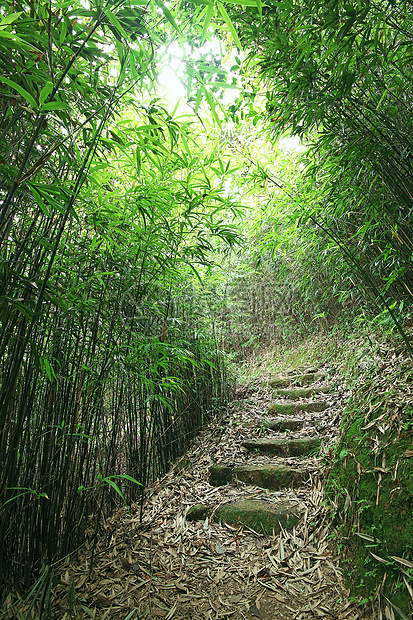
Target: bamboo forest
(206, 267)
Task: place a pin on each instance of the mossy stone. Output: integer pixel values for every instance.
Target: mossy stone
(259, 515)
(283, 424)
(199, 512)
(291, 408)
(305, 379)
(308, 378)
(219, 475)
(307, 446)
(304, 392)
(273, 477)
(280, 382)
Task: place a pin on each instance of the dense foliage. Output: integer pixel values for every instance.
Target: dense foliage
(339, 75)
(113, 208)
(108, 208)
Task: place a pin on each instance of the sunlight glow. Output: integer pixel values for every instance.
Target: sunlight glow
(172, 76)
(291, 143)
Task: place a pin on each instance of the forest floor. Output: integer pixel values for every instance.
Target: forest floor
(165, 566)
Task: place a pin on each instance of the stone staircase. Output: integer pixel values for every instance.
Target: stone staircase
(294, 407)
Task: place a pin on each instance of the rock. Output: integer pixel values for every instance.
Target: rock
(199, 512)
(281, 447)
(259, 515)
(291, 408)
(274, 477)
(220, 475)
(306, 379)
(283, 424)
(280, 382)
(293, 394)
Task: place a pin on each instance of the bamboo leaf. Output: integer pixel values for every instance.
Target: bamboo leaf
(56, 105)
(211, 104)
(114, 486)
(397, 609)
(45, 92)
(208, 14)
(127, 477)
(116, 23)
(48, 369)
(10, 19)
(200, 92)
(168, 16)
(229, 24)
(402, 561)
(29, 98)
(244, 2)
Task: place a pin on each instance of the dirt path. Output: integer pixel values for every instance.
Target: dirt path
(169, 567)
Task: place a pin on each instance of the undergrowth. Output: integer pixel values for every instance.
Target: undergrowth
(371, 481)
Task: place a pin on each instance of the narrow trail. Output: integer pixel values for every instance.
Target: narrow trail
(237, 529)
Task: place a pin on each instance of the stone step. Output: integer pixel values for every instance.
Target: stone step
(291, 408)
(259, 515)
(306, 379)
(294, 394)
(282, 424)
(307, 446)
(199, 512)
(274, 477)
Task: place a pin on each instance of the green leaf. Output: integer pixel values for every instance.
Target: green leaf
(55, 105)
(49, 370)
(9, 19)
(127, 477)
(225, 85)
(45, 92)
(39, 200)
(114, 486)
(168, 16)
(198, 100)
(132, 66)
(211, 104)
(5, 34)
(138, 160)
(29, 98)
(229, 24)
(243, 2)
(207, 21)
(115, 22)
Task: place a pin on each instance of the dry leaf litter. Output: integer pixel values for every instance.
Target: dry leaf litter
(163, 566)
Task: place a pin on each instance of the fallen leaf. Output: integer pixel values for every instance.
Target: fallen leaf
(219, 548)
(103, 600)
(124, 563)
(234, 598)
(253, 610)
(402, 561)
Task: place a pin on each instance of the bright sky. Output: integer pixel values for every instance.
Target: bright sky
(174, 69)
(171, 87)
